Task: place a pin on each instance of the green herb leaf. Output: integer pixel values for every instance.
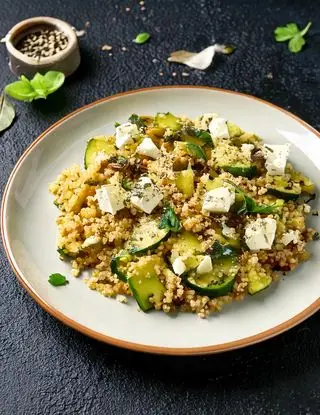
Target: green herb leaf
(21, 91)
(142, 38)
(296, 43)
(58, 279)
(116, 124)
(7, 113)
(135, 119)
(196, 151)
(292, 33)
(169, 220)
(40, 86)
(283, 33)
(218, 251)
(249, 205)
(204, 136)
(127, 184)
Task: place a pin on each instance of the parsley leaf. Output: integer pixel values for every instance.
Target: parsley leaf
(135, 119)
(169, 220)
(58, 279)
(292, 33)
(249, 205)
(127, 184)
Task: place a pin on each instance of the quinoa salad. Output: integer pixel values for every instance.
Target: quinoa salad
(183, 215)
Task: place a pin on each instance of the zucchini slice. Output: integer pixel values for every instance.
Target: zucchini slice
(187, 243)
(102, 144)
(119, 264)
(167, 120)
(221, 279)
(257, 283)
(241, 170)
(283, 193)
(185, 182)
(144, 283)
(146, 237)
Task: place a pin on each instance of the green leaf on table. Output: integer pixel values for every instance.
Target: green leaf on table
(57, 280)
(7, 113)
(142, 38)
(40, 86)
(292, 33)
(169, 220)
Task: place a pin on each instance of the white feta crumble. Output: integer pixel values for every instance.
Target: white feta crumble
(148, 148)
(178, 266)
(204, 120)
(260, 233)
(218, 200)
(227, 231)
(218, 128)
(145, 195)
(276, 156)
(290, 236)
(205, 265)
(92, 240)
(121, 298)
(246, 150)
(306, 208)
(110, 198)
(125, 134)
(100, 156)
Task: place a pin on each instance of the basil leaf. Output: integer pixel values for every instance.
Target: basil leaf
(54, 80)
(142, 38)
(7, 113)
(204, 136)
(39, 85)
(57, 279)
(196, 151)
(170, 220)
(21, 90)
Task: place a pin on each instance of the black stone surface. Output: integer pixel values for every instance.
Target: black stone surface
(46, 368)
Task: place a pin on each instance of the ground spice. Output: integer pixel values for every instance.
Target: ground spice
(43, 43)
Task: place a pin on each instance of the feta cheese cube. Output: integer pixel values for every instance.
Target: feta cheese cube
(205, 265)
(145, 195)
(149, 149)
(290, 236)
(218, 200)
(276, 156)
(110, 198)
(178, 266)
(91, 240)
(218, 128)
(125, 134)
(260, 233)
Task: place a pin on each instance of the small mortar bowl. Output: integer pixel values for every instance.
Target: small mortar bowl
(66, 61)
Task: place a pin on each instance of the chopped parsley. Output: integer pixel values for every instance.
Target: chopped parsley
(135, 119)
(170, 220)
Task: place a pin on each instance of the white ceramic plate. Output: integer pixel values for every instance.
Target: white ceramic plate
(29, 230)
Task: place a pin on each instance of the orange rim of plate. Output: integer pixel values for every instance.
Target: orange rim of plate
(237, 344)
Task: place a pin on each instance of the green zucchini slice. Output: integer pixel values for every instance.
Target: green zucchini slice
(257, 283)
(241, 170)
(221, 279)
(98, 145)
(146, 237)
(283, 193)
(144, 283)
(168, 120)
(119, 264)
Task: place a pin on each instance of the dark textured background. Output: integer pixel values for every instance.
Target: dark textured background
(46, 368)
